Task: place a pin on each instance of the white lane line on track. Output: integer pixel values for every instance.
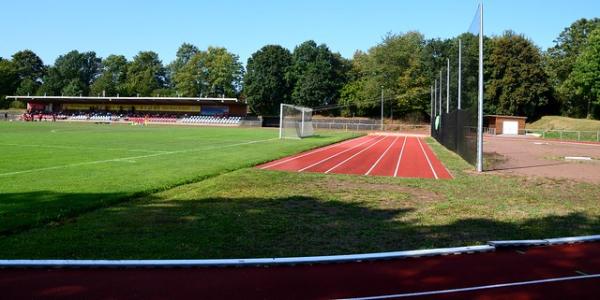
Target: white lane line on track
(478, 288)
(382, 155)
(427, 157)
(355, 154)
(309, 153)
(400, 157)
(335, 155)
(129, 159)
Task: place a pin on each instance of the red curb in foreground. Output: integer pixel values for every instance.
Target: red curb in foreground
(326, 281)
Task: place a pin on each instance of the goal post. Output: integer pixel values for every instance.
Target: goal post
(295, 122)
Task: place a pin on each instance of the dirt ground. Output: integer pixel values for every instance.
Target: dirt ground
(537, 157)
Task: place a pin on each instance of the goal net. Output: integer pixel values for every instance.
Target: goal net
(295, 122)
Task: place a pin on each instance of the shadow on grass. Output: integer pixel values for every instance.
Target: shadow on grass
(21, 211)
(214, 227)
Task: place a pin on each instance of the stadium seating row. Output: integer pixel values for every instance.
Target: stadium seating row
(151, 120)
(211, 120)
(185, 120)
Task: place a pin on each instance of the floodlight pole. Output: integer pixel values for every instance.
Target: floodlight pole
(480, 96)
(435, 98)
(431, 106)
(441, 89)
(382, 107)
(448, 87)
(459, 73)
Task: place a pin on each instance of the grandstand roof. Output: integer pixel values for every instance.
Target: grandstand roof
(128, 100)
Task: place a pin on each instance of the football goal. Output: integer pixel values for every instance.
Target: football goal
(295, 122)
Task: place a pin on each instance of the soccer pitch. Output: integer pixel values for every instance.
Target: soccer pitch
(51, 171)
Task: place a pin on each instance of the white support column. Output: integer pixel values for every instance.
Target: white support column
(281, 120)
(448, 87)
(435, 98)
(459, 107)
(302, 125)
(441, 90)
(431, 116)
(382, 108)
(480, 96)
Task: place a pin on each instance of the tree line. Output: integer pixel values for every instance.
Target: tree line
(520, 78)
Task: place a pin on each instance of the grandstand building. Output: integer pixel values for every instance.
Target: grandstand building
(132, 106)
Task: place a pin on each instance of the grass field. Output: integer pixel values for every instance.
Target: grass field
(52, 171)
(564, 123)
(207, 203)
(563, 128)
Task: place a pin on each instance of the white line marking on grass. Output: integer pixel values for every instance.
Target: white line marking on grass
(478, 288)
(382, 155)
(427, 157)
(355, 154)
(400, 157)
(82, 148)
(82, 164)
(335, 155)
(308, 153)
(128, 159)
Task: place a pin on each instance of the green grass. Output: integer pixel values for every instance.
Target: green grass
(257, 213)
(564, 123)
(563, 128)
(52, 171)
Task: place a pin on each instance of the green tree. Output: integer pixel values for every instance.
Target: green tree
(398, 65)
(211, 73)
(316, 74)
(145, 74)
(225, 72)
(184, 54)
(516, 83)
(265, 85)
(72, 72)
(191, 79)
(560, 60)
(9, 79)
(584, 80)
(111, 81)
(30, 69)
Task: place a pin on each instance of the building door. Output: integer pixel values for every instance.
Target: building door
(510, 127)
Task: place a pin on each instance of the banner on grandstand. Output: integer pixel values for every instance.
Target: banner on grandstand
(215, 110)
(136, 107)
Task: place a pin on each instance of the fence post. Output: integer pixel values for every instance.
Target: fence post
(579, 135)
(560, 134)
(598, 136)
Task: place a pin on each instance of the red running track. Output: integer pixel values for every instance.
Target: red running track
(551, 272)
(376, 155)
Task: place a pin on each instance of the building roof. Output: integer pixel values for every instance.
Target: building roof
(128, 100)
(506, 117)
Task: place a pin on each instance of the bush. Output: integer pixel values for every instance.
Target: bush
(16, 104)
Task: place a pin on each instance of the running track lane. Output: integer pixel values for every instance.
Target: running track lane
(296, 162)
(327, 281)
(399, 156)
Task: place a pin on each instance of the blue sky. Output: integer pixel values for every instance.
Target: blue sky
(51, 28)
